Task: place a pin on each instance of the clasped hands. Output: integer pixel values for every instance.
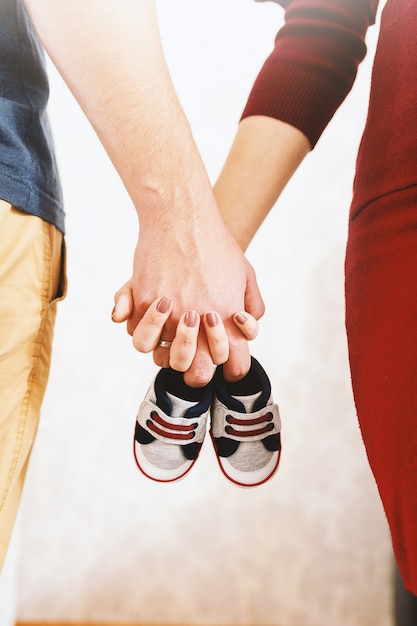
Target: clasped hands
(208, 310)
(194, 332)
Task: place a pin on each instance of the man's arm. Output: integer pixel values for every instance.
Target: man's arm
(110, 55)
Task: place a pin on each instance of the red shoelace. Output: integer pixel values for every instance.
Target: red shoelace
(171, 431)
(258, 421)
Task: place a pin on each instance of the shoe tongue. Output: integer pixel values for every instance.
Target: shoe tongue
(179, 406)
(248, 401)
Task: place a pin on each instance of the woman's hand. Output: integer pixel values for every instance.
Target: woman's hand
(179, 352)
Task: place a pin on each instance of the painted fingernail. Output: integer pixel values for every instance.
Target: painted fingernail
(191, 319)
(212, 319)
(163, 305)
(240, 318)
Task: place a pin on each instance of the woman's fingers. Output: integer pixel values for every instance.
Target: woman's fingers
(148, 332)
(184, 344)
(217, 338)
(247, 324)
(179, 352)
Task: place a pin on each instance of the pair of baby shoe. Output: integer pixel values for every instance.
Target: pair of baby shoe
(245, 427)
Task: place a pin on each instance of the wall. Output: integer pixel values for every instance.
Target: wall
(99, 541)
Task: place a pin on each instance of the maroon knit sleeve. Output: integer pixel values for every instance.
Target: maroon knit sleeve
(314, 63)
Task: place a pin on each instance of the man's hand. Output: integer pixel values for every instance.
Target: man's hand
(200, 279)
(211, 312)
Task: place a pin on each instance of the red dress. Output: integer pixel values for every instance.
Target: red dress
(303, 82)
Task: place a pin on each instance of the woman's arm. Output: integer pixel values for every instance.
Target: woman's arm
(265, 154)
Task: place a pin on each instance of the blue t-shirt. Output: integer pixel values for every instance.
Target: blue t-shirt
(28, 172)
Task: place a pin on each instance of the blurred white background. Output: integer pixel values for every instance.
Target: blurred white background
(97, 540)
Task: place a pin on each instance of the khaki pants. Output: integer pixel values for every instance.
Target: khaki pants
(31, 282)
